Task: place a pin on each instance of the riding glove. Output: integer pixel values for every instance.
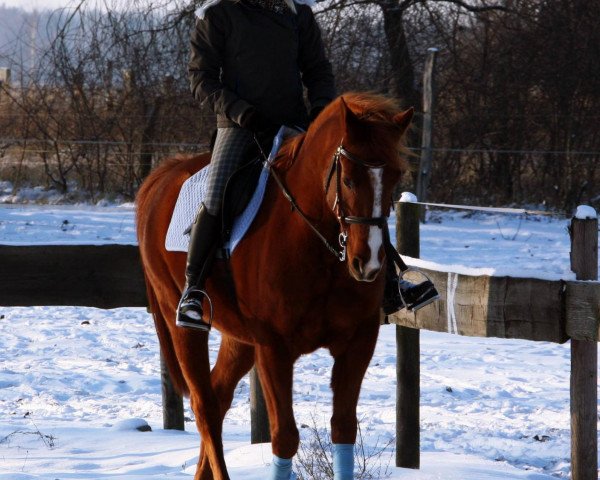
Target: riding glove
(256, 122)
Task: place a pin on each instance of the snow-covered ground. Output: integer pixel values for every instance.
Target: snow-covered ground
(75, 382)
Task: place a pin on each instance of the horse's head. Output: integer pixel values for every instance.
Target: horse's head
(360, 181)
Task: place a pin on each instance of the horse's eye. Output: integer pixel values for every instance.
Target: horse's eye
(349, 183)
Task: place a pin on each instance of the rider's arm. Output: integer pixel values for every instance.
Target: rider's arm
(317, 74)
(204, 68)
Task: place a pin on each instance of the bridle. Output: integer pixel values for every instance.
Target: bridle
(338, 204)
(335, 171)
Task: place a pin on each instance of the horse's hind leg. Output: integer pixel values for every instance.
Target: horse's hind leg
(350, 365)
(235, 359)
(192, 353)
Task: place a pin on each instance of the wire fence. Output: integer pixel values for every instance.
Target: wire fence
(503, 210)
(560, 179)
(132, 145)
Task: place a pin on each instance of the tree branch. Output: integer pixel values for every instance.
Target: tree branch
(471, 8)
(403, 5)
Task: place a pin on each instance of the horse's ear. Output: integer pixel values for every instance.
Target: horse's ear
(350, 121)
(403, 119)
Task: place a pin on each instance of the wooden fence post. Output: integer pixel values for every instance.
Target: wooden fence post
(408, 369)
(5, 77)
(172, 402)
(427, 136)
(4, 83)
(259, 419)
(584, 355)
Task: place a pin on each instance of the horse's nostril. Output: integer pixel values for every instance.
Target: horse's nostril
(371, 275)
(358, 265)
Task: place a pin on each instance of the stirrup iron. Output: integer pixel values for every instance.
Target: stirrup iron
(429, 296)
(198, 324)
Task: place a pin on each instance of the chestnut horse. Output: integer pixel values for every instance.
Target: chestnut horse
(289, 288)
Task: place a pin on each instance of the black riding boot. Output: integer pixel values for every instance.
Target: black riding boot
(204, 235)
(399, 294)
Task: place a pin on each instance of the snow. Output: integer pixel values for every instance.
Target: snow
(585, 211)
(76, 383)
(132, 424)
(408, 197)
(500, 271)
(62, 225)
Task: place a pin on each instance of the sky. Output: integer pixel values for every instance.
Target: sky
(36, 4)
(31, 5)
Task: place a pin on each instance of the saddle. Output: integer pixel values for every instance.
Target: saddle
(238, 192)
(242, 198)
(242, 184)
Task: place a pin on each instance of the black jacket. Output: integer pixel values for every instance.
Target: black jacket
(244, 56)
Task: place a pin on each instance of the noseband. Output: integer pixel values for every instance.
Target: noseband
(338, 206)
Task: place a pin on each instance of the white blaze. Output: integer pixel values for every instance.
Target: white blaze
(375, 235)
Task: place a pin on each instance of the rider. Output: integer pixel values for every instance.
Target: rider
(249, 62)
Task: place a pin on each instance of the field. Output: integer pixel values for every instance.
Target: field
(76, 382)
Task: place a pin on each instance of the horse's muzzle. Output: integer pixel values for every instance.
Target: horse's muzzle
(363, 272)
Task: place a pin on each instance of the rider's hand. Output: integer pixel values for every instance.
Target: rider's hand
(256, 122)
(262, 128)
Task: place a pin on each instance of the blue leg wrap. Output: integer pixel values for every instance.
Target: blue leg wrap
(343, 461)
(281, 469)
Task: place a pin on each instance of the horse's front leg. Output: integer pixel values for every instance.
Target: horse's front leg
(275, 368)
(350, 364)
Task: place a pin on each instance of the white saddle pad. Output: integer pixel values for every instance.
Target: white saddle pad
(192, 195)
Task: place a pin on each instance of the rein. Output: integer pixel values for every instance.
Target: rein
(340, 254)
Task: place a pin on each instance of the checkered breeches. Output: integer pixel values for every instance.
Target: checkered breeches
(226, 157)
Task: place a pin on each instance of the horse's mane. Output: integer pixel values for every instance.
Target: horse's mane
(379, 110)
(288, 152)
(371, 108)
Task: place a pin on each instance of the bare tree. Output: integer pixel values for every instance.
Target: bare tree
(101, 94)
(108, 88)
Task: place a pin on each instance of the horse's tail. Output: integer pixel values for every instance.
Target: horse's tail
(169, 357)
(154, 205)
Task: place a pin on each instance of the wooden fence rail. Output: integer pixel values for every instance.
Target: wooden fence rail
(103, 276)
